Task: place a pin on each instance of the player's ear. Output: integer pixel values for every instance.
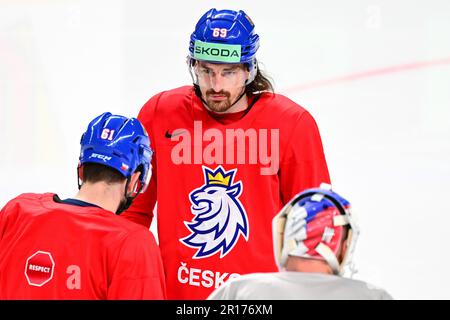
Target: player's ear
(80, 175)
(344, 248)
(134, 180)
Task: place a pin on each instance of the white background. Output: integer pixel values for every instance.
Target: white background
(374, 74)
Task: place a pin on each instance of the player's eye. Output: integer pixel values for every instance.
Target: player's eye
(228, 73)
(206, 72)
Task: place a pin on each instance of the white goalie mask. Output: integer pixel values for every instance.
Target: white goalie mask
(312, 225)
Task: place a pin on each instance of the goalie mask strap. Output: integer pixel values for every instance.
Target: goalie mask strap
(329, 256)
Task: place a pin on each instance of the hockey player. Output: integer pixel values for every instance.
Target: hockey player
(229, 153)
(80, 248)
(314, 238)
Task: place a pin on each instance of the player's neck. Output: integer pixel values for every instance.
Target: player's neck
(102, 194)
(308, 265)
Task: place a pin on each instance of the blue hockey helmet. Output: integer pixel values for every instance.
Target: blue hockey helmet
(120, 143)
(225, 36)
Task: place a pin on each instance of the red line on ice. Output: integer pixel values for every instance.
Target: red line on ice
(367, 74)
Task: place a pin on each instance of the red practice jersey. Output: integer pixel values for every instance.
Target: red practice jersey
(219, 183)
(51, 250)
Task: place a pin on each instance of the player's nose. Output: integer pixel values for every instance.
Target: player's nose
(217, 83)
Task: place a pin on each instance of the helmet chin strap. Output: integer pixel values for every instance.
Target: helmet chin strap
(125, 204)
(239, 98)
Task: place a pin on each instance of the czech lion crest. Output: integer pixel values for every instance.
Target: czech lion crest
(219, 217)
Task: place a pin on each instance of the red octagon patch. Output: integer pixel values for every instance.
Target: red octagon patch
(39, 268)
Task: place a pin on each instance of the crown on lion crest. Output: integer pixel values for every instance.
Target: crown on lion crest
(219, 176)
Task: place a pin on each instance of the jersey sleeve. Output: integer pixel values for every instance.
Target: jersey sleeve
(303, 164)
(138, 271)
(141, 211)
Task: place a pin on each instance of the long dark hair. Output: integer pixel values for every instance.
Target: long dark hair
(260, 84)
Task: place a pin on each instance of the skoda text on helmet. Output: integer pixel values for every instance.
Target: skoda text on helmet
(311, 226)
(120, 143)
(224, 36)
